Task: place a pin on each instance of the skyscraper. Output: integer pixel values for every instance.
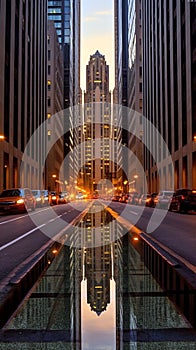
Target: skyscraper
(121, 84)
(23, 26)
(169, 87)
(55, 104)
(135, 92)
(66, 17)
(97, 122)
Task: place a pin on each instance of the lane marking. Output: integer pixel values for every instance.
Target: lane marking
(26, 234)
(21, 217)
(133, 212)
(21, 237)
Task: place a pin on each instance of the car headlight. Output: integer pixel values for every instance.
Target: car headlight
(38, 199)
(53, 197)
(20, 201)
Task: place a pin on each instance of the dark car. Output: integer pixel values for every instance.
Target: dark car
(62, 197)
(17, 199)
(144, 199)
(54, 198)
(115, 198)
(150, 200)
(38, 197)
(183, 200)
(45, 195)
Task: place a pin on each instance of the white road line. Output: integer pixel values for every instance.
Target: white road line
(21, 237)
(27, 234)
(133, 212)
(21, 217)
(6, 222)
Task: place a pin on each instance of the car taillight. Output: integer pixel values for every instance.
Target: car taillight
(20, 201)
(182, 197)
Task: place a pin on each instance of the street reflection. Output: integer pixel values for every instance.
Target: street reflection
(98, 304)
(98, 297)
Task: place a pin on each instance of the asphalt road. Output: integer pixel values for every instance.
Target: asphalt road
(21, 235)
(176, 231)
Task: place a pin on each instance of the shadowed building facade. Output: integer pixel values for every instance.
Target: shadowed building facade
(169, 102)
(23, 27)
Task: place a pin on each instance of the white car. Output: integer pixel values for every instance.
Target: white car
(163, 199)
(79, 195)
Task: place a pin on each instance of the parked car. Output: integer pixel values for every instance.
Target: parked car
(150, 200)
(54, 197)
(38, 197)
(137, 199)
(115, 198)
(143, 199)
(17, 199)
(131, 197)
(79, 195)
(62, 198)
(45, 195)
(183, 200)
(162, 200)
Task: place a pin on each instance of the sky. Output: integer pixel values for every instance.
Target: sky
(97, 33)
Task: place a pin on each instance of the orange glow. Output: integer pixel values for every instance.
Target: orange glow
(136, 239)
(2, 137)
(194, 138)
(20, 201)
(55, 251)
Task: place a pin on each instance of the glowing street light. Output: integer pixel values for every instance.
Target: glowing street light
(2, 137)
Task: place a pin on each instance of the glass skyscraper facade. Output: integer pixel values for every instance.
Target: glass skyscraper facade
(66, 17)
(60, 13)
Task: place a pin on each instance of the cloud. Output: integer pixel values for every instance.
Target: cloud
(90, 19)
(104, 13)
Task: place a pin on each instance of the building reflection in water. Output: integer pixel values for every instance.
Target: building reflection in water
(98, 321)
(97, 296)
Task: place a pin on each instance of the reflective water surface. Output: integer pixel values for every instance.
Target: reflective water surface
(98, 297)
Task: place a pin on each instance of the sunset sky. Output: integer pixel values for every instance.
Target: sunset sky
(97, 33)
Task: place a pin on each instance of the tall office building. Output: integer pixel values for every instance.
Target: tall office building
(169, 37)
(55, 104)
(97, 122)
(66, 17)
(135, 93)
(23, 27)
(121, 87)
(121, 51)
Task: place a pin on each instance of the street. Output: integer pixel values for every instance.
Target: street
(21, 237)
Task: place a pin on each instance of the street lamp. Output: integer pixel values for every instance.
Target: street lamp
(194, 138)
(2, 137)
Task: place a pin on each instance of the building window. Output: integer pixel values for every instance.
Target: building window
(140, 72)
(49, 70)
(49, 55)
(49, 85)
(140, 87)
(49, 102)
